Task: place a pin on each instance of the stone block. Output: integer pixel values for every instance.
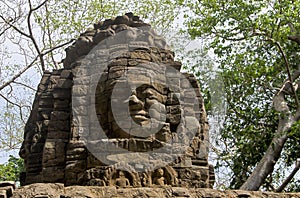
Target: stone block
(80, 110)
(33, 169)
(57, 174)
(78, 133)
(75, 144)
(139, 45)
(139, 79)
(59, 125)
(118, 54)
(62, 94)
(60, 161)
(60, 115)
(6, 191)
(60, 148)
(76, 166)
(139, 145)
(116, 74)
(174, 118)
(71, 178)
(64, 83)
(8, 183)
(45, 114)
(46, 103)
(50, 144)
(175, 109)
(3, 193)
(80, 90)
(118, 47)
(37, 148)
(92, 162)
(118, 62)
(64, 135)
(83, 80)
(49, 154)
(76, 157)
(66, 74)
(34, 159)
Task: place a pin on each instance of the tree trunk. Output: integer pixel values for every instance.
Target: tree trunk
(267, 163)
(289, 178)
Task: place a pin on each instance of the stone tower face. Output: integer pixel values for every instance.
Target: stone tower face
(119, 113)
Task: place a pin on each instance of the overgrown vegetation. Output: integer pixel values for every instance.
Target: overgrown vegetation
(11, 170)
(257, 49)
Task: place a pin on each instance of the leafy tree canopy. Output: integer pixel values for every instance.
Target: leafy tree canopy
(11, 170)
(254, 45)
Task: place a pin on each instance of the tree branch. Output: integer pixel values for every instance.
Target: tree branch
(289, 178)
(31, 34)
(50, 39)
(14, 27)
(18, 74)
(32, 63)
(1, 33)
(289, 72)
(267, 163)
(19, 83)
(271, 156)
(295, 38)
(58, 46)
(9, 101)
(286, 87)
(15, 104)
(285, 61)
(39, 6)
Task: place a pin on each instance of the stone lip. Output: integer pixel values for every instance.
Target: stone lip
(58, 190)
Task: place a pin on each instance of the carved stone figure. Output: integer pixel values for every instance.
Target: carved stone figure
(159, 179)
(120, 106)
(122, 181)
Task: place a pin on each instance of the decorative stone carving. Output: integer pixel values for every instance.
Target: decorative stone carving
(122, 181)
(159, 178)
(154, 129)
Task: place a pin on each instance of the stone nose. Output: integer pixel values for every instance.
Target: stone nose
(134, 100)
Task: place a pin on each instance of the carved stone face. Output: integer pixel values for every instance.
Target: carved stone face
(160, 172)
(144, 103)
(135, 106)
(121, 174)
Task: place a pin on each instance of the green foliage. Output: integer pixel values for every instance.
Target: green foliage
(11, 128)
(10, 171)
(295, 186)
(250, 41)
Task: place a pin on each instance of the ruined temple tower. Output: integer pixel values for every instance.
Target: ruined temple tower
(120, 113)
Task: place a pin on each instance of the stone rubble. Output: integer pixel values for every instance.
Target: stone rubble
(56, 190)
(7, 188)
